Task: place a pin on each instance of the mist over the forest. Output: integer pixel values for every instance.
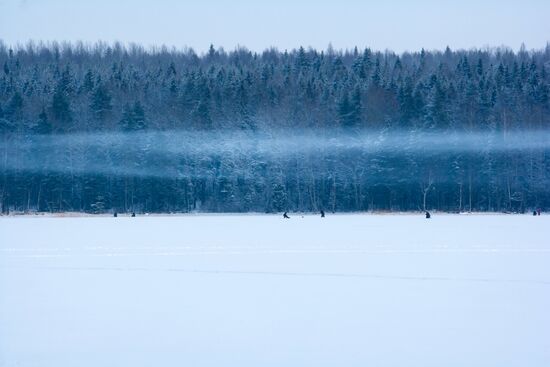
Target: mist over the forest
(157, 153)
(107, 127)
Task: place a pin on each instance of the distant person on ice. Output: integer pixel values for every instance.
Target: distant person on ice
(285, 216)
(538, 211)
(534, 213)
(428, 215)
(322, 213)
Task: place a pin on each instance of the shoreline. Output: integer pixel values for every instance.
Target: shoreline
(205, 214)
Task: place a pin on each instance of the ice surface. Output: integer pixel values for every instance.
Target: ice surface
(257, 290)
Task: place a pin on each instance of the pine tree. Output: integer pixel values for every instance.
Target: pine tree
(133, 117)
(344, 110)
(302, 62)
(278, 198)
(14, 108)
(350, 109)
(43, 125)
(101, 102)
(88, 84)
(356, 108)
(61, 108)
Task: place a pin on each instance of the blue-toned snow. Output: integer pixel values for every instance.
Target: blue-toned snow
(257, 290)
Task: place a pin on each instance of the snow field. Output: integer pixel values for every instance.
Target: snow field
(257, 290)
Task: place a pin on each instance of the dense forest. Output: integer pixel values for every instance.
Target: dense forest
(110, 127)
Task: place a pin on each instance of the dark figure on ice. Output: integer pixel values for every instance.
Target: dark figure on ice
(322, 213)
(285, 216)
(538, 211)
(115, 214)
(428, 215)
(133, 214)
(534, 213)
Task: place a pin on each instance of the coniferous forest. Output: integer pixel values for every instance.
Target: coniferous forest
(109, 127)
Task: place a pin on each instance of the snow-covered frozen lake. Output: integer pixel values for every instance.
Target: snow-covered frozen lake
(257, 290)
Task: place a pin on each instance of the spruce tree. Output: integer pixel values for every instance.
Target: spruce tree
(101, 102)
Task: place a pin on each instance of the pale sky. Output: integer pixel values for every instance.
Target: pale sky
(397, 25)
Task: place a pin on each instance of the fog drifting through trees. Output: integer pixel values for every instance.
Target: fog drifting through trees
(101, 153)
(107, 128)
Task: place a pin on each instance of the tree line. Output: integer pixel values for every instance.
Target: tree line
(113, 91)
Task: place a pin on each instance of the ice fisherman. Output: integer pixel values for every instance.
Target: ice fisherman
(428, 215)
(285, 216)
